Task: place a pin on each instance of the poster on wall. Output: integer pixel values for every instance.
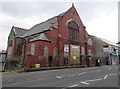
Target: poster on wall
(66, 48)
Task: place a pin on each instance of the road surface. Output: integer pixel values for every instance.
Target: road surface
(103, 76)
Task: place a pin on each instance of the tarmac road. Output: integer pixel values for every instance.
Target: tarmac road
(103, 76)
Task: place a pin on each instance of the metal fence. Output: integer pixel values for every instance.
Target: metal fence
(2, 61)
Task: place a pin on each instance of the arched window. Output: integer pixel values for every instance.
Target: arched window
(73, 31)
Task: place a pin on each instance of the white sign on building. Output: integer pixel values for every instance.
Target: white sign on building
(106, 49)
(66, 48)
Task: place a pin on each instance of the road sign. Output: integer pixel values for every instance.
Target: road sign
(37, 65)
(114, 52)
(74, 57)
(106, 49)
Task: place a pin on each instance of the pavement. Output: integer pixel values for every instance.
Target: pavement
(102, 76)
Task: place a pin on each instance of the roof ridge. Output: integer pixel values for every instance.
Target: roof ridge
(106, 40)
(42, 22)
(50, 18)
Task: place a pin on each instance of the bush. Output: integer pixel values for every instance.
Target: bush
(13, 63)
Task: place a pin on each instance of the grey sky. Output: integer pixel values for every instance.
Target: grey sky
(100, 18)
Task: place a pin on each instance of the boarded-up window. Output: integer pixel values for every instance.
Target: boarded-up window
(73, 31)
(55, 52)
(83, 50)
(46, 51)
(90, 41)
(9, 51)
(75, 50)
(75, 54)
(10, 43)
(32, 49)
(89, 52)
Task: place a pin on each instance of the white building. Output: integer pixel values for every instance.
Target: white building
(112, 49)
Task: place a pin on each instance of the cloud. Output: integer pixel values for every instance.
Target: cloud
(27, 9)
(59, 1)
(105, 27)
(7, 21)
(100, 18)
(25, 15)
(91, 10)
(97, 17)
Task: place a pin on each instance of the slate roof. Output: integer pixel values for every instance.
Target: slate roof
(62, 14)
(109, 42)
(41, 36)
(41, 27)
(106, 41)
(20, 32)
